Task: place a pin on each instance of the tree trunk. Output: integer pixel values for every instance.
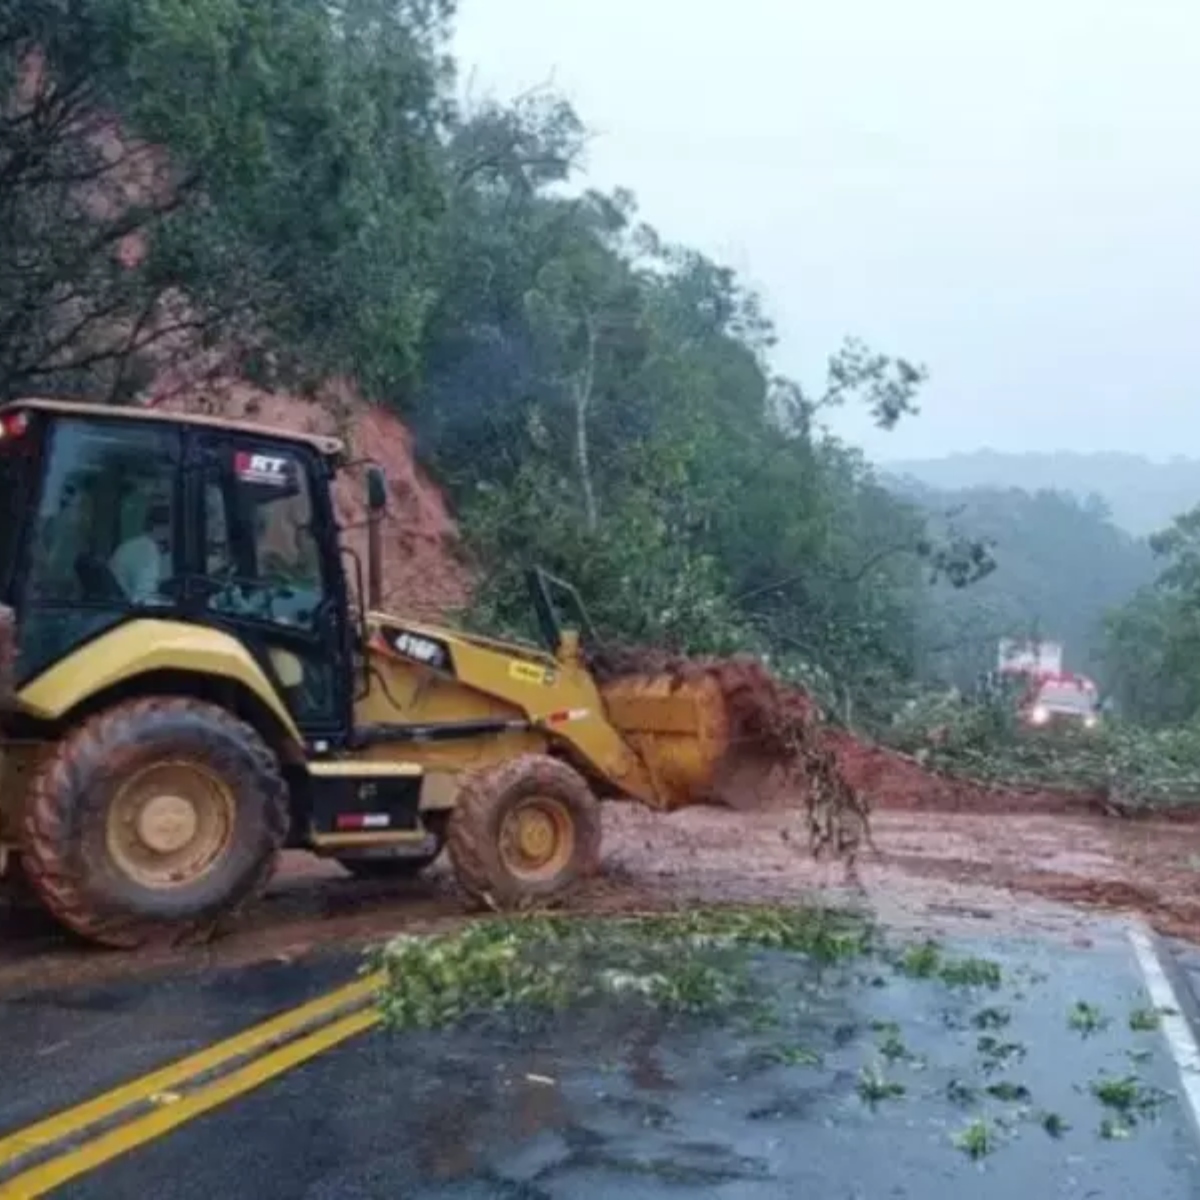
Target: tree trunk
(583, 399)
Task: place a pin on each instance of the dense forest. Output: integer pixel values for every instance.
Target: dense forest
(293, 186)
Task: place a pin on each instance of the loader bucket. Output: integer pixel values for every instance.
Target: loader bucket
(680, 729)
(726, 732)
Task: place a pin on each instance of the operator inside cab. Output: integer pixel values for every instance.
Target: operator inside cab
(142, 563)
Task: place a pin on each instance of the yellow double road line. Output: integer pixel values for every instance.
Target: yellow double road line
(161, 1100)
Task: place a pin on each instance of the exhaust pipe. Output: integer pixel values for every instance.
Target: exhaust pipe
(376, 507)
(374, 562)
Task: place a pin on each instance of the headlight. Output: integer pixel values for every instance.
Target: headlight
(1040, 715)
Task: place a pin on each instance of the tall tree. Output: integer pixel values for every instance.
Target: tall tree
(185, 173)
(1153, 652)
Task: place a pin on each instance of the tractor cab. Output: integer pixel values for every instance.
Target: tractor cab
(117, 514)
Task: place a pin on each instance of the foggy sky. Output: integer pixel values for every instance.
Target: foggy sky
(1007, 192)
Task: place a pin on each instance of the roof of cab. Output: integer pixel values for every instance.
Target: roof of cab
(329, 446)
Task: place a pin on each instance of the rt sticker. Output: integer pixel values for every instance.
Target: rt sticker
(261, 468)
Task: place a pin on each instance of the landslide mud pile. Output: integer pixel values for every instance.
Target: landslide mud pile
(900, 782)
(777, 751)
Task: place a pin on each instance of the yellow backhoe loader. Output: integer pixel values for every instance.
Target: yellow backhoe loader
(189, 684)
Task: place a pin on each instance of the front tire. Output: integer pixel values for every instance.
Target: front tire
(527, 831)
(154, 817)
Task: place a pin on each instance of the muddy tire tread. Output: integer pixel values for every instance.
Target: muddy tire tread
(45, 849)
(471, 836)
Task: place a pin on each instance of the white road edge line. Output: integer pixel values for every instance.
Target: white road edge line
(1174, 1025)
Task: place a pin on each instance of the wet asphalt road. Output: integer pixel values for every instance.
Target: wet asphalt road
(59, 1048)
(598, 1104)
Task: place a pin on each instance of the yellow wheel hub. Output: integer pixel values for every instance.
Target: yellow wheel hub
(536, 833)
(169, 824)
(537, 838)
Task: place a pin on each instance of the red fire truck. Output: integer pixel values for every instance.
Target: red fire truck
(1061, 698)
(1048, 695)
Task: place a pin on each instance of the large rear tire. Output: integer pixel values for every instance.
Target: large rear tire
(154, 818)
(525, 832)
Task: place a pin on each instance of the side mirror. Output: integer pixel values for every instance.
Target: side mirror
(377, 490)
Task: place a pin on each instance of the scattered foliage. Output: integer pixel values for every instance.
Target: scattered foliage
(1054, 1124)
(924, 960)
(1009, 1093)
(1145, 1020)
(971, 972)
(1086, 1019)
(874, 1087)
(997, 1054)
(792, 1056)
(1131, 1102)
(991, 1018)
(977, 1140)
(695, 963)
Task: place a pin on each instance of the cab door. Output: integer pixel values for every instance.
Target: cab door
(265, 567)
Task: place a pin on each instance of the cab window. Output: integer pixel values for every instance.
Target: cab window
(101, 545)
(260, 552)
(103, 534)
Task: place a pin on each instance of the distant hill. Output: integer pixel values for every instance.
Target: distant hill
(1142, 495)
